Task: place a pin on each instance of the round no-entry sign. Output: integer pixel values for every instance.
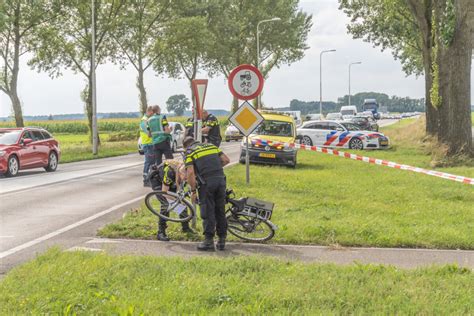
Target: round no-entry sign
(245, 82)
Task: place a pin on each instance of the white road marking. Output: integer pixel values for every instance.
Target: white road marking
(7, 236)
(84, 249)
(103, 241)
(65, 229)
(55, 233)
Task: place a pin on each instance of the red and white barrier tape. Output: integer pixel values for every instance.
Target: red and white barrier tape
(380, 162)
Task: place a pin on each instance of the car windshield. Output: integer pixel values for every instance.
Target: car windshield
(347, 112)
(275, 128)
(9, 137)
(351, 126)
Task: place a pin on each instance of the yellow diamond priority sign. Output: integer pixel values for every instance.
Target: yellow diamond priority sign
(246, 119)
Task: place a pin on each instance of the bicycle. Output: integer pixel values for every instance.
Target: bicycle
(170, 206)
(247, 218)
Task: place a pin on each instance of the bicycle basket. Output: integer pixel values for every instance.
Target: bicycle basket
(259, 208)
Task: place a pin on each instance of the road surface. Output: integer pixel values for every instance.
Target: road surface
(40, 209)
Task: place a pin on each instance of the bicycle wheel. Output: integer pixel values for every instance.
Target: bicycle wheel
(169, 206)
(249, 228)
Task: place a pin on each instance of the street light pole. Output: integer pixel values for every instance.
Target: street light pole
(356, 63)
(95, 136)
(258, 48)
(321, 79)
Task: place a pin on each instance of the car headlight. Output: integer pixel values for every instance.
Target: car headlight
(2, 153)
(287, 148)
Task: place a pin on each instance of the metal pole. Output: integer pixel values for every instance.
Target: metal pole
(247, 164)
(321, 79)
(349, 84)
(356, 63)
(95, 135)
(258, 50)
(258, 67)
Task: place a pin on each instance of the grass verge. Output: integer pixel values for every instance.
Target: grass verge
(76, 147)
(90, 283)
(330, 200)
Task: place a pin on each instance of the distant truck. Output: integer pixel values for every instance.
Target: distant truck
(373, 106)
(348, 111)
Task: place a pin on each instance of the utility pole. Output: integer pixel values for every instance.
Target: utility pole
(355, 63)
(95, 134)
(321, 79)
(258, 49)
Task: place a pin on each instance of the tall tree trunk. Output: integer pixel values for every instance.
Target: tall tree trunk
(459, 138)
(13, 93)
(87, 98)
(141, 89)
(431, 111)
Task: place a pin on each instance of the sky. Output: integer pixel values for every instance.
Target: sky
(116, 90)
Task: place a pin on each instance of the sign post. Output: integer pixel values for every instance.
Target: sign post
(199, 88)
(246, 83)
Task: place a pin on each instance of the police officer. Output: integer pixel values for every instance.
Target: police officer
(211, 129)
(167, 177)
(189, 125)
(160, 132)
(147, 144)
(205, 173)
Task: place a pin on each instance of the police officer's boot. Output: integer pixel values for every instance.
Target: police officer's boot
(207, 245)
(220, 243)
(162, 236)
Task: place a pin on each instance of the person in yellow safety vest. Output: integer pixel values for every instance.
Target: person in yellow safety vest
(147, 144)
(161, 137)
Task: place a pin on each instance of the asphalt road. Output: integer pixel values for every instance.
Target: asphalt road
(40, 209)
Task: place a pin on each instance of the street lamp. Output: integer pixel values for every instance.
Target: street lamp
(321, 79)
(95, 136)
(356, 63)
(258, 48)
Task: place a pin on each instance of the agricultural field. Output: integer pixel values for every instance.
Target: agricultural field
(117, 136)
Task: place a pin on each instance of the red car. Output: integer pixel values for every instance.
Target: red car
(27, 148)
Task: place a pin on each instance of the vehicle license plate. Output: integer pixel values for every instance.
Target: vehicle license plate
(265, 155)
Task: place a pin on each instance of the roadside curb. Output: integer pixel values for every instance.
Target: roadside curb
(400, 257)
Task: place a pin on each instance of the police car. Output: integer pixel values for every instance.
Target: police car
(340, 134)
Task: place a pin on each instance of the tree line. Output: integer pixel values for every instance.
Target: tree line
(392, 104)
(433, 38)
(178, 38)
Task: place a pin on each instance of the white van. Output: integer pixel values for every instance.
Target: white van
(348, 111)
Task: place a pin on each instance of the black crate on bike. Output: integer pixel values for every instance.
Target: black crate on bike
(258, 207)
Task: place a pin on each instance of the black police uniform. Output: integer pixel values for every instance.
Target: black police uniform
(214, 134)
(189, 127)
(211, 187)
(159, 175)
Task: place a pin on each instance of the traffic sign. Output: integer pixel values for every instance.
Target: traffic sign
(199, 87)
(245, 82)
(246, 118)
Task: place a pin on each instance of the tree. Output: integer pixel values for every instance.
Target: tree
(438, 33)
(189, 40)
(139, 36)
(178, 104)
(68, 44)
(19, 22)
(235, 25)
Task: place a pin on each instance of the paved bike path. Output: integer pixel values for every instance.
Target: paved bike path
(403, 258)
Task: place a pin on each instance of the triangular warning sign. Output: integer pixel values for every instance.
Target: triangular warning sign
(199, 89)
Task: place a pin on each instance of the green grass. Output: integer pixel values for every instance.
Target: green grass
(330, 200)
(99, 284)
(76, 147)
